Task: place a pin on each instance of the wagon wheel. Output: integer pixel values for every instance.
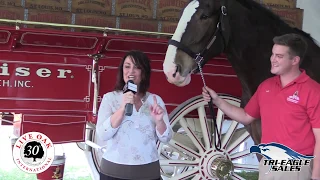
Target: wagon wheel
(191, 153)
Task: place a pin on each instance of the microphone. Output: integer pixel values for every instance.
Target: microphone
(130, 86)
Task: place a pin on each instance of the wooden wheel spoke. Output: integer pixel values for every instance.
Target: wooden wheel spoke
(178, 163)
(182, 148)
(244, 135)
(248, 167)
(240, 154)
(228, 135)
(204, 127)
(219, 119)
(192, 136)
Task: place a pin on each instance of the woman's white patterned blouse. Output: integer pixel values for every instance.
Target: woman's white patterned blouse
(134, 141)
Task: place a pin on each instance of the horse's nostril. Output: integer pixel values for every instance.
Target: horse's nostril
(178, 67)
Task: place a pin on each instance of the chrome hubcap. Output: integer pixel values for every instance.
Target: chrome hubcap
(222, 168)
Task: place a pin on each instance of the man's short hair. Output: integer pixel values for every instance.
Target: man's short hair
(296, 43)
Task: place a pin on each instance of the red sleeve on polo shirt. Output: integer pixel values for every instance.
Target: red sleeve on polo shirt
(313, 109)
(253, 108)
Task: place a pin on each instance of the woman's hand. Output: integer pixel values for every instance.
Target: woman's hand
(156, 111)
(128, 97)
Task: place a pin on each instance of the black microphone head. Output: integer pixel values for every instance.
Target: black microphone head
(130, 86)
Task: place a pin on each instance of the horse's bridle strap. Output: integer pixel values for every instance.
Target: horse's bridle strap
(182, 47)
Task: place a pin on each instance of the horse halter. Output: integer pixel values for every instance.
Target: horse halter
(198, 57)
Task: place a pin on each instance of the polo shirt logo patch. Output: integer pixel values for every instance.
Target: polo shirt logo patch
(294, 98)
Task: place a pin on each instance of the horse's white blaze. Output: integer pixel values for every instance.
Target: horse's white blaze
(169, 65)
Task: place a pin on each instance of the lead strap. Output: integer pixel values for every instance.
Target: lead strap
(216, 134)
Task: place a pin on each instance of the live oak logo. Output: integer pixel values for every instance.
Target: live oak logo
(33, 152)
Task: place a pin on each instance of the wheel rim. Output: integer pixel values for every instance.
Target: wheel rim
(192, 155)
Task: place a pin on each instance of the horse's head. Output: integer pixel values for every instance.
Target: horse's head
(200, 31)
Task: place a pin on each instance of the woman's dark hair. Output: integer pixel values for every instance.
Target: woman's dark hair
(142, 61)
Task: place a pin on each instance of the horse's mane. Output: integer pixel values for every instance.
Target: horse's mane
(263, 9)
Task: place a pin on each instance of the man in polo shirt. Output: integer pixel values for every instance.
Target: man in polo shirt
(288, 105)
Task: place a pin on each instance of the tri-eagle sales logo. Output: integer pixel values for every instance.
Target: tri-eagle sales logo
(281, 158)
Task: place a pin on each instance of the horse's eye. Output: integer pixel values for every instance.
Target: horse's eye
(203, 16)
